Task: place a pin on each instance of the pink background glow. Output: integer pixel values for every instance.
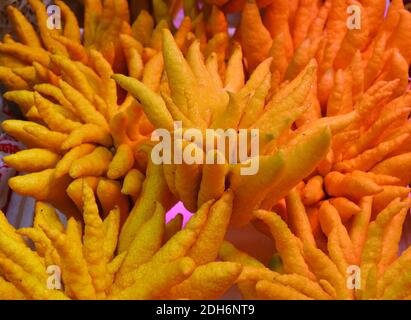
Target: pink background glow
(178, 208)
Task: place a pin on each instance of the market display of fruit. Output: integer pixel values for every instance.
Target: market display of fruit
(325, 84)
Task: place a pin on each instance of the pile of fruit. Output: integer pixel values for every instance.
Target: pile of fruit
(328, 92)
